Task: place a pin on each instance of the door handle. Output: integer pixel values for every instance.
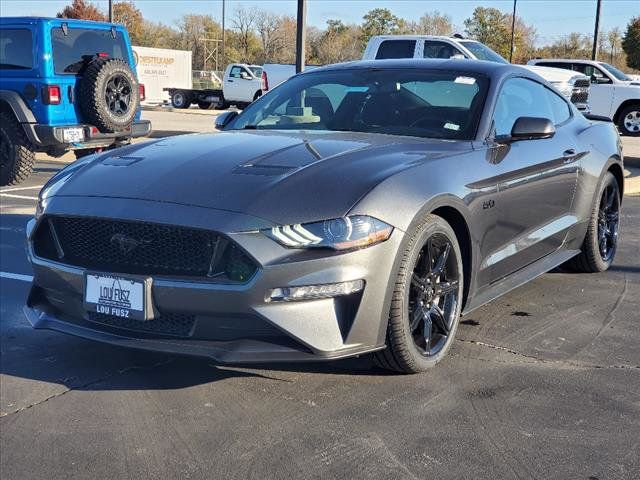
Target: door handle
(569, 155)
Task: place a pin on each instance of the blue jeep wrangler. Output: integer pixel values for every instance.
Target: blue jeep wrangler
(64, 85)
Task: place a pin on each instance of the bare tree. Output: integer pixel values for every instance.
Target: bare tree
(244, 22)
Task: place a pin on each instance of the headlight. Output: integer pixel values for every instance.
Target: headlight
(356, 231)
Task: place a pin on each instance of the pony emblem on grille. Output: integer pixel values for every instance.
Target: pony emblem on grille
(127, 244)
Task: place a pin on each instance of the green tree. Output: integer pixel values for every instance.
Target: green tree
(380, 21)
(82, 10)
(489, 26)
(631, 43)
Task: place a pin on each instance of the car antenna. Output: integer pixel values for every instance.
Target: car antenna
(113, 32)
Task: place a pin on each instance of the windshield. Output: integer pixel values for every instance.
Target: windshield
(72, 51)
(411, 102)
(615, 72)
(257, 71)
(482, 52)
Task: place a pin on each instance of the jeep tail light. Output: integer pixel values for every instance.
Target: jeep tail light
(103, 55)
(141, 92)
(51, 95)
(265, 82)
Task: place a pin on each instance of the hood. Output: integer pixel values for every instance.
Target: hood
(282, 177)
(555, 75)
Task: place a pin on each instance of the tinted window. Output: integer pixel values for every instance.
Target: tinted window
(615, 72)
(566, 66)
(520, 97)
(16, 49)
(482, 52)
(396, 49)
(590, 71)
(257, 71)
(235, 72)
(434, 49)
(558, 106)
(421, 103)
(72, 51)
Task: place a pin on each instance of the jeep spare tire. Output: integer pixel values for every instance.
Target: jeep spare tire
(109, 94)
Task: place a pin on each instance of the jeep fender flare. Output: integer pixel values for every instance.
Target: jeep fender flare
(17, 105)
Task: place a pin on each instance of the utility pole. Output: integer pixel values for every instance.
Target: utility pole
(301, 35)
(110, 11)
(513, 30)
(224, 65)
(594, 52)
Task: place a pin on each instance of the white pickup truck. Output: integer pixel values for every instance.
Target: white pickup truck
(241, 85)
(614, 94)
(573, 85)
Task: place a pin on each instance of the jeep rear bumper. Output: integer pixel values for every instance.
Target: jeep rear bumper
(46, 136)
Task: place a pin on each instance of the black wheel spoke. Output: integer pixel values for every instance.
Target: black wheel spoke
(416, 317)
(441, 262)
(445, 288)
(417, 281)
(438, 318)
(427, 333)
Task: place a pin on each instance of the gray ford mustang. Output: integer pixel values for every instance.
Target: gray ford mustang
(356, 208)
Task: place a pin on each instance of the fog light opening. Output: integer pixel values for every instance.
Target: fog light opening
(314, 292)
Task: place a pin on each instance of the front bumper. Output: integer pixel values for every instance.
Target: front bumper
(232, 323)
(46, 136)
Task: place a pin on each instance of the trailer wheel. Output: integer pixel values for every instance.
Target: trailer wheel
(205, 105)
(222, 106)
(180, 99)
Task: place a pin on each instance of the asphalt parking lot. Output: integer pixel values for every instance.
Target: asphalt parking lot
(542, 383)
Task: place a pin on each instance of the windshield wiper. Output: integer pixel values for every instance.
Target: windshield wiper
(250, 127)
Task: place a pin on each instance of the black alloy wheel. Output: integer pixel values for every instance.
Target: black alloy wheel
(608, 222)
(118, 95)
(433, 295)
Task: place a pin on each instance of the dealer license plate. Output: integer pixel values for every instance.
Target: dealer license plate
(73, 135)
(117, 296)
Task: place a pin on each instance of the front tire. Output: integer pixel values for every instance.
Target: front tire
(601, 241)
(426, 301)
(17, 155)
(629, 121)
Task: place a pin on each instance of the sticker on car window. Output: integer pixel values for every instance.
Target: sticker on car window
(465, 80)
(452, 126)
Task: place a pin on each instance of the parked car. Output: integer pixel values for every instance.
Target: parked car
(241, 85)
(613, 94)
(273, 74)
(573, 85)
(65, 85)
(356, 208)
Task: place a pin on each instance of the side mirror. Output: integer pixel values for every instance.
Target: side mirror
(223, 119)
(532, 128)
(245, 76)
(458, 56)
(600, 80)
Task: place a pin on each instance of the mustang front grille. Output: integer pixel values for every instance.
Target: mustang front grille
(175, 324)
(141, 248)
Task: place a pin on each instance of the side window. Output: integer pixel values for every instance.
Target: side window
(565, 66)
(559, 107)
(235, 72)
(396, 49)
(520, 97)
(16, 49)
(435, 49)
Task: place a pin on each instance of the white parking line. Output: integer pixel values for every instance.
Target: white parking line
(16, 189)
(16, 276)
(23, 197)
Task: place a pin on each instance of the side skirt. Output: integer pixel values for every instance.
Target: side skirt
(519, 278)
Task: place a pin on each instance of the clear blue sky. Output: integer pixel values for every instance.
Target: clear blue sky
(552, 18)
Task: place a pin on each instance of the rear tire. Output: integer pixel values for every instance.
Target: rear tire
(17, 154)
(180, 99)
(600, 243)
(205, 105)
(222, 106)
(426, 301)
(629, 121)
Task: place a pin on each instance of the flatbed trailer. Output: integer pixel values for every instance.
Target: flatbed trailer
(206, 98)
